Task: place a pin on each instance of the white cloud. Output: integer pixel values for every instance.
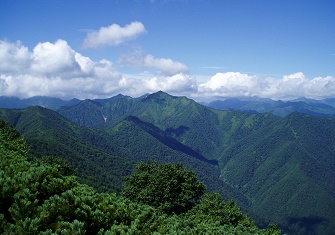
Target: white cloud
(177, 83)
(55, 69)
(14, 57)
(227, 81)
(54, 58)
(113, 35)
(166, 66)
(235, 84)
(139, 84)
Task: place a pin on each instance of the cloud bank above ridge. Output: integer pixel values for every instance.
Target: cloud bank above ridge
(55, 69)
(235, 84)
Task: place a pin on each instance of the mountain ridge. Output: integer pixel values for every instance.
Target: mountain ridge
(222, 135)
(279, 168)
(320, 108)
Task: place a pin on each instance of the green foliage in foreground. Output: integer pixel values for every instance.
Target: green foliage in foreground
(39, 198)
(169, 187)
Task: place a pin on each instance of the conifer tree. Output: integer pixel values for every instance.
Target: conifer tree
(168, 187)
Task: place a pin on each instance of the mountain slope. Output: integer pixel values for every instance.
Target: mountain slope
(205, 130)
(288, 166)
(89, 151)
(280, 164)
(94, 152)
(141, 141)
(279, 167)
(167, 140)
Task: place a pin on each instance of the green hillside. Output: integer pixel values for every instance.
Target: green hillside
(41, 198)
(281, 165)
(288, 166)
(90, 152)
(141, 141)
(101, 158)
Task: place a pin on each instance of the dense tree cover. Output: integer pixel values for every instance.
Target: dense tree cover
(276, 168)
(293, 160)
(101, 159)
(169, 187)
(89, 151)
(140, 145)
(62, 165)
(41, 198)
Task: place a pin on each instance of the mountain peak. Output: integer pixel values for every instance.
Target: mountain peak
(159, 95)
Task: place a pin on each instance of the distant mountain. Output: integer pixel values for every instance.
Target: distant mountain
(278, 168)
(319, 108)
(47, 102)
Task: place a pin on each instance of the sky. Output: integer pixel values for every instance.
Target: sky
(203, 49)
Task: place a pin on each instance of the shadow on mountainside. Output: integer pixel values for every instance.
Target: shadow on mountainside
(307, 225)
(169, 141)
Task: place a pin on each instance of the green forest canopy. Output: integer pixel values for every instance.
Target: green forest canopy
(40, 197)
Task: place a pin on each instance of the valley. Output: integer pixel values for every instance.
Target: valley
(277, 168)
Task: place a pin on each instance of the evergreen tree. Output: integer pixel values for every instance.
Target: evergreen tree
(169, 187)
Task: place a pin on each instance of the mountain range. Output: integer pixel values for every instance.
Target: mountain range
(277, 167)
(320, 108)
(43, 101)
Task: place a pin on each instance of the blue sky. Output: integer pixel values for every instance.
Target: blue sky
(280, 49)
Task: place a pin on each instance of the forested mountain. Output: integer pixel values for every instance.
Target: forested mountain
(43, 197)
(319, 108)
(277, 168)
(101, 158)
(43, 101)
(89, 151)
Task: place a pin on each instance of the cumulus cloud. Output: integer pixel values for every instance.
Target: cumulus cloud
(177, 83)
(54, 58)
(55, 69)
(113, 35)
(166, 66)
(235, 84)
(14, 57)
(230, 84)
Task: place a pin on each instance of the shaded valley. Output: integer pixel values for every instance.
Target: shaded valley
(277, 168)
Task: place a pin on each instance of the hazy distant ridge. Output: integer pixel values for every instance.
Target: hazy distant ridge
(320, 108)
